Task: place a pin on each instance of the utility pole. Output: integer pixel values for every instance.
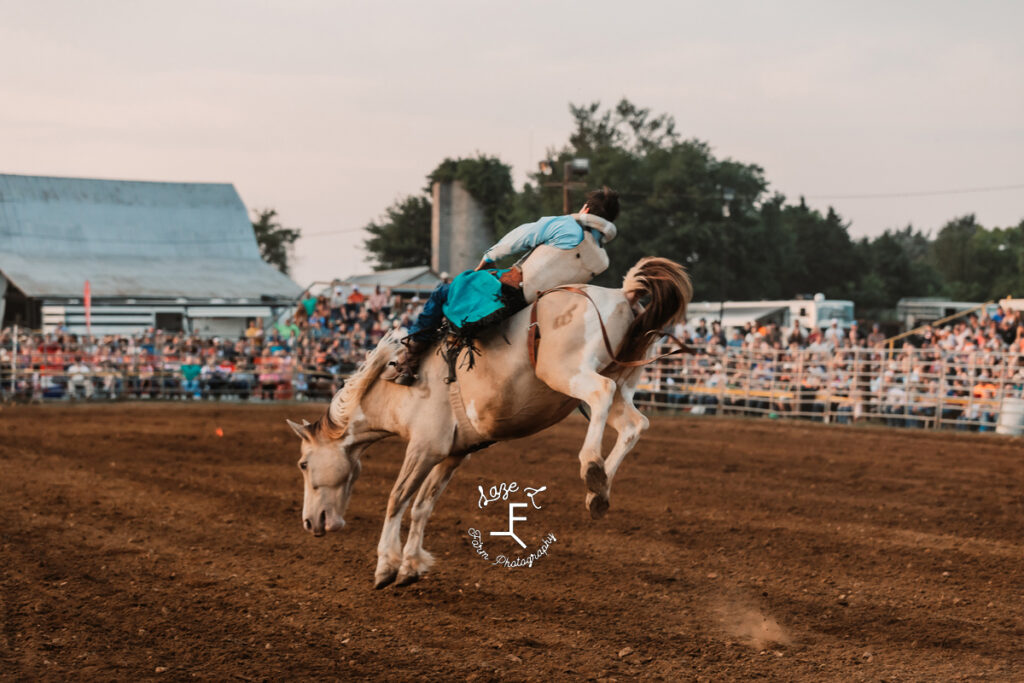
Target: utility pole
(728, 194)
(573, 167)
(565, 188)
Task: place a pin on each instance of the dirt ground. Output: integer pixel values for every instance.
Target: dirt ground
(136, 543)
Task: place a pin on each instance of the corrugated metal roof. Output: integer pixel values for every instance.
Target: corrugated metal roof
(417, 277)
(131, 238)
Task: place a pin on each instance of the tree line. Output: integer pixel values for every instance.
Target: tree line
(717, 216)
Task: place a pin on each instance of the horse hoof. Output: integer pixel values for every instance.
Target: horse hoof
(385, 580)
(597, 480)
(407, 579)
(598, 505)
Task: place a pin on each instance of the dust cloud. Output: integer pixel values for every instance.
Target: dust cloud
(752, 627)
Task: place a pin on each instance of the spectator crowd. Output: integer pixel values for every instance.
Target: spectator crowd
(956, 374)
(305, 355)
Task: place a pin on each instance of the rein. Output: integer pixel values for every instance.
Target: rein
(533, 333)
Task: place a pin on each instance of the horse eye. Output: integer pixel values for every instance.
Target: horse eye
(303, 465)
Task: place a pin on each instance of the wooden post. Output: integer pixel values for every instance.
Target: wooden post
(940, 403)
(14, 363)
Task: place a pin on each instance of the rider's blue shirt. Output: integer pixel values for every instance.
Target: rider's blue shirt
(475, 295)
(558, 231)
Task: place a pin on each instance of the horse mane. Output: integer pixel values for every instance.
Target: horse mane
(335, 419)
(668, 288)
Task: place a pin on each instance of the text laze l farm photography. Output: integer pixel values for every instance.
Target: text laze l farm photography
(527, 553)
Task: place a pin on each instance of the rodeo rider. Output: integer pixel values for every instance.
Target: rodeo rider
(562, 250)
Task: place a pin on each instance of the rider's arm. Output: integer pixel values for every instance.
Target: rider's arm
(561, 231)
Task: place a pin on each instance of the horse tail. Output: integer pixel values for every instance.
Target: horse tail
(335, 420)
(667, 289)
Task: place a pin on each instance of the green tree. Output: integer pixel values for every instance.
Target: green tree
(401, 238)
(893, 265)
(924, 280)
(672, 193)
(753, 246)
(998, 252)
(1008, 267)
(487, 179)
(978, 264)
(822, 257)
(955, 254)
(275, 241)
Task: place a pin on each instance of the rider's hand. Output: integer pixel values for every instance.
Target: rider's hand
(484, 264)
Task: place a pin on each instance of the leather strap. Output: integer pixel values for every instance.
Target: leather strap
(463, 424)
(533, 333)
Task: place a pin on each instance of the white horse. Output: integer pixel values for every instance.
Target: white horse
(500, 398)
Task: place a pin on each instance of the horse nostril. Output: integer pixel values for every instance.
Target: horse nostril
(308, 524)
(323, 518)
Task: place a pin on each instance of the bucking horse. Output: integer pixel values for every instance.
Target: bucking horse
(578, 344)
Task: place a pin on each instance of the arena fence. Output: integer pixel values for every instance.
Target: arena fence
(923, 388)
(54, 375)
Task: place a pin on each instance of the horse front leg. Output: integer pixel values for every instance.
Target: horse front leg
(419, 460)
(629, 423)
(415, 560)
(597, 391)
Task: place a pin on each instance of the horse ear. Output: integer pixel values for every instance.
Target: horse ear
(301, 429)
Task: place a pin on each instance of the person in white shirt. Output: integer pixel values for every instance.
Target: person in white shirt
(79, 378)
(338, 298)
(378, 300)
(833, 335)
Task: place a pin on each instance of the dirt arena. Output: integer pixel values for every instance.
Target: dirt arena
(136, 543)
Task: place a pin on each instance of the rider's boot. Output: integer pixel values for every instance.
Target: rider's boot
(408, 362)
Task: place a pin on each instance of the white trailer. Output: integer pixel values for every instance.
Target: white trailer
(818, 312)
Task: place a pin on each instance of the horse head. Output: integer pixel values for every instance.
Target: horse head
(333, 445)
(329, 466)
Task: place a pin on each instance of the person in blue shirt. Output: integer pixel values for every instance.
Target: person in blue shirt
(562, 232)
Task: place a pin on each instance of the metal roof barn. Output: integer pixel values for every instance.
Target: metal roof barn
(133, 241)
(412, 280)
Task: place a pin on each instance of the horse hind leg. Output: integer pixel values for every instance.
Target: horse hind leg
(416, 561)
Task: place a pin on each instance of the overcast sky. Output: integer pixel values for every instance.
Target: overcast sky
(330, 111)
